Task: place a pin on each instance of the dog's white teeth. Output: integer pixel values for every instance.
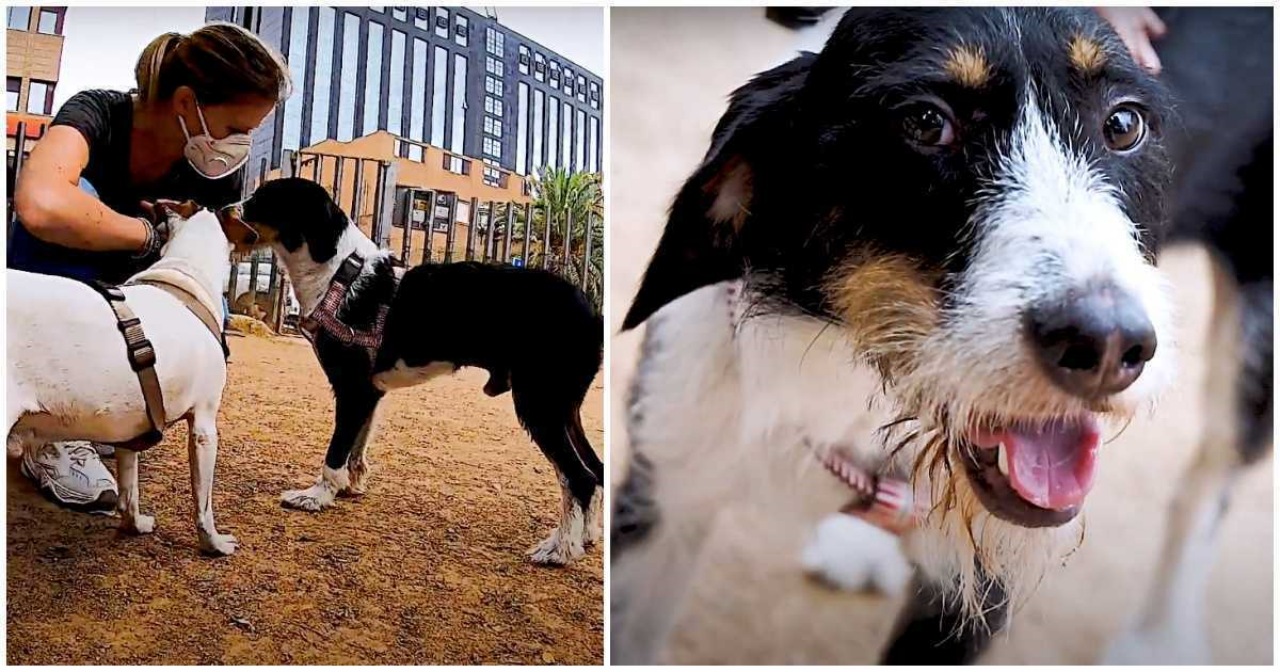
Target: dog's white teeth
(1002, 460)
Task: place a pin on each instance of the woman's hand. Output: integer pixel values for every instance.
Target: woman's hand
(1137, 26)
(156, 217)
(52, 206)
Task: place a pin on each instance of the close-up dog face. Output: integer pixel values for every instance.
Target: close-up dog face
(293, 212)
(976, 197)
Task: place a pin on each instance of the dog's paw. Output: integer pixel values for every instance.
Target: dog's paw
(139, 525)
(556, 550)
(314, 498)
(1159, 647)
(218, 544)
(851, 554)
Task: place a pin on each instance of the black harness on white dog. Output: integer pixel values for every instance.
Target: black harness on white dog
(142, 355)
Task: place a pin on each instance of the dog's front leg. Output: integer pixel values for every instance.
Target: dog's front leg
(131, 521)
(202, 452)
(358, 462)
(354, 411)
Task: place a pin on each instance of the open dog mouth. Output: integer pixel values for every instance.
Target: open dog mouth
(1034, 474)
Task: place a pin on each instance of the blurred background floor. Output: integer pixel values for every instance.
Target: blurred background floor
(672, 70)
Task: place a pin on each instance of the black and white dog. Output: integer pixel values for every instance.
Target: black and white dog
(541, 340)
(968, 202)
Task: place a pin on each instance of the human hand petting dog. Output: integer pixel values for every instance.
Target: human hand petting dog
(156, 217)
(1137, 26)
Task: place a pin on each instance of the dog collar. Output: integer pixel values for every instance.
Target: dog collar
(887, 503)
(325, 316)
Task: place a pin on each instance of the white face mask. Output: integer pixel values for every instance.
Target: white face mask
(212, 158)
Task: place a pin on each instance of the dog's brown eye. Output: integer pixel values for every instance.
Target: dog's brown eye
(1124, 129)
(928, 126)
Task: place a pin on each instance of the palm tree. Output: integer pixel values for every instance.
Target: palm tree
(573, 204)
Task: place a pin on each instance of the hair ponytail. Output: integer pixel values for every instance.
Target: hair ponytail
(151, 63)
(221, 62)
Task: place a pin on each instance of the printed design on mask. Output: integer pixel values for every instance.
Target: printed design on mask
(214, 158)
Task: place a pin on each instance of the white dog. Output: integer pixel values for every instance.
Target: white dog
(69, 375)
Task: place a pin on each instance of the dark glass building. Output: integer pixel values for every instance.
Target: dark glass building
(445, 76)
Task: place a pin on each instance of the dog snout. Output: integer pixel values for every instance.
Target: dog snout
(1094, 343)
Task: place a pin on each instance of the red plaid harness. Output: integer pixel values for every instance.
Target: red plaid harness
(325, 316)
(885, 502)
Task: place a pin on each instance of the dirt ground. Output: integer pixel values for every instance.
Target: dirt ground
(429, 567)
(672, 70)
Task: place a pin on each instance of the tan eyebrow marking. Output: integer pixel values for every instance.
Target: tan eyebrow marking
(1086, 54)
(967, 64)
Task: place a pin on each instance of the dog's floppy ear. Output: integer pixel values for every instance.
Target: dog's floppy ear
(237, 231)
(322, 235)
(165, 208)
(701, 244)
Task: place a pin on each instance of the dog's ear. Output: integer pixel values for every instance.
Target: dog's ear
(322, 235)
(237, 231)
(701, 244)
(166, 208)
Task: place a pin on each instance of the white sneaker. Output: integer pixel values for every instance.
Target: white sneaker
(72, 474)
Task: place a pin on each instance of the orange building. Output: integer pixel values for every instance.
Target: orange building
(32, 67)
(354, 170)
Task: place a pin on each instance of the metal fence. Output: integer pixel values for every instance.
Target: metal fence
(507, 232)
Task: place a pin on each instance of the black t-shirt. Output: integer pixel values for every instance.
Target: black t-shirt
(105, 119)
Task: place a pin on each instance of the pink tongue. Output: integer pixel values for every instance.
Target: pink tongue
(1053, 466)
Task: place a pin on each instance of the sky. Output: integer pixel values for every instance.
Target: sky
(103, 43)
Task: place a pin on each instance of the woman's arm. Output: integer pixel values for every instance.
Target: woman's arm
(51, 205)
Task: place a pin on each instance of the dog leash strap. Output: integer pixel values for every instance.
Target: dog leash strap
(142, 359)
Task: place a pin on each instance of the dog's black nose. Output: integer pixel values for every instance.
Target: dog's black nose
(1093, 343)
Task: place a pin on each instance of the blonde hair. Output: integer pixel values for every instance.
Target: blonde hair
(221, 62)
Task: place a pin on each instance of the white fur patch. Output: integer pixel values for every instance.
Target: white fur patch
(593, 528)
(851, 554)
(311, 278)
(403, 375)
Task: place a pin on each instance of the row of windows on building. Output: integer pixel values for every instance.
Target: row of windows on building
(491, 145)
(349, 124)
(571, 138)
(39, 96)
(493, 175)
(47, 21)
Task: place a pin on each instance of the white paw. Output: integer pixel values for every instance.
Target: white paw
(314, 498)
(139, 525)
(218, 544)
(851, 554)
(1160, 647)
(556, 550)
